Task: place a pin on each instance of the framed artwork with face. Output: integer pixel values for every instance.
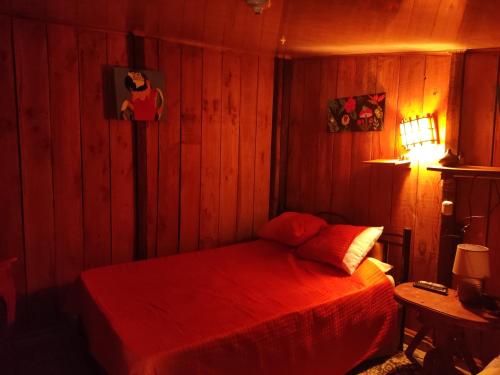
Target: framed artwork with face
(139, 94)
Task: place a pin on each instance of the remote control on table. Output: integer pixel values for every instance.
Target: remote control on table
(432, 287)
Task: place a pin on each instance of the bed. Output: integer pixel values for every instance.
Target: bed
(249, 308)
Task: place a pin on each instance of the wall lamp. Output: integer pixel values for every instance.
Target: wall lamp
(418, 131)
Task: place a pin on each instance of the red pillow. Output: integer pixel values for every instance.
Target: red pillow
(292, 228)
(343, 246)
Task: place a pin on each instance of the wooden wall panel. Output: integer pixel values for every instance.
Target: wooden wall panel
(169, 152)
(263, 142)
(342, 152)
(294, 133)
(478, 112)
(231, 74)
(491, 343)
(279, 138)
(30, 45)
(247, 160)
(192, 71)
(478, 141)
(66, 152)
(481, 148)
(76, 201)
(95, 151)
(428, 200)
(152, 154)
(415, 84)
(211, 149)
(5, 7)
(365, 83)
(376, 195)
(11, 221)
(121, 144)
(323, 179)
(494, 219)
(384, 143)
(309, 138)
(480, 80)
(410, 101)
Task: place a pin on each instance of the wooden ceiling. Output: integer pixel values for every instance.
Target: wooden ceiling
(310, 27)
(360, 26)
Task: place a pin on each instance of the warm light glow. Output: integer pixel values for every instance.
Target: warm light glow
(420, 138)
(418, 132)
(352, 48)
(428, 153)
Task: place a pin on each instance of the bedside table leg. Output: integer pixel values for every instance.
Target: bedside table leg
(463, 351)
(416, 340)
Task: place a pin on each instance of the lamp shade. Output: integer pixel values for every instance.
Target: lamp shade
(472, 261)
(418, 131)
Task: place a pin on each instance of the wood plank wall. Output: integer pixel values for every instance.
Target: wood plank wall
(479, 142)
(68, 179)
(325, 171)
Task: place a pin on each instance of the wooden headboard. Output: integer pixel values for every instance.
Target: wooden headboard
(389, 240)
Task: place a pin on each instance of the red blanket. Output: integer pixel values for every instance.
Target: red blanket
(252, 308)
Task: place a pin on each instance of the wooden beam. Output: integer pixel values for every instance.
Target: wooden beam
(144, 238)
(449, 238)
(455, 91)
(279, 151)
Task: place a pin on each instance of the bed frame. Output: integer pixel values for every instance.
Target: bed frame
(386, 242)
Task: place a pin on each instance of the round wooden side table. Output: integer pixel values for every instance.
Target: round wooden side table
(449, 317)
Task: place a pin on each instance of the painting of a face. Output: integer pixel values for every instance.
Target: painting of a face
(139, 94)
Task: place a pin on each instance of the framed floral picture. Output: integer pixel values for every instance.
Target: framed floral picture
(356, 113)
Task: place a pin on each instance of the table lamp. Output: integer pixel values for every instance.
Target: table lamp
(471, 266)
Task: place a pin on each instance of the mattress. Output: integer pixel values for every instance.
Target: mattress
(250, 308)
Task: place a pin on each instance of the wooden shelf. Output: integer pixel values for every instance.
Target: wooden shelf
(394, 162)
(467, 171)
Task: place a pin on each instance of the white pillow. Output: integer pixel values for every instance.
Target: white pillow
(358, 249)
(382, 266)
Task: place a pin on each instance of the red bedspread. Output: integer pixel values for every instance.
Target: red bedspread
(252, 308)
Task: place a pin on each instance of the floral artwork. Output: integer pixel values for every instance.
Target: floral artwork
(356, 113)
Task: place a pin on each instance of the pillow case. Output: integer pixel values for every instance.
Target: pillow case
(342, 246)
(292, 228)
(382, 266)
